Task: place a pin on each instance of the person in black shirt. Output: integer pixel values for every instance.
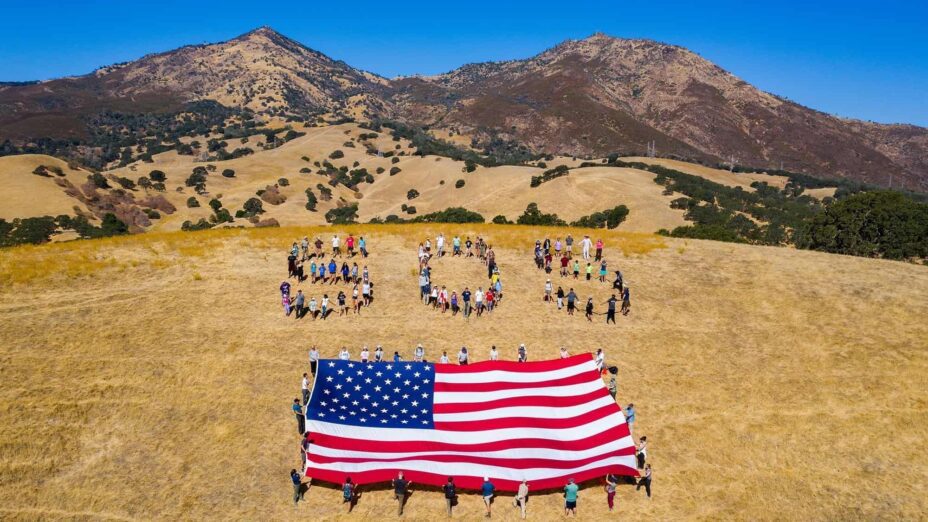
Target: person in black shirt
(400, 487)
(450, 493)
(610, 312)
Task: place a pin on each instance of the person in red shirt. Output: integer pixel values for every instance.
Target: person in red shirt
(349, 244)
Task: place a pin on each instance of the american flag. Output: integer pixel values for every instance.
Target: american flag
(543, 421)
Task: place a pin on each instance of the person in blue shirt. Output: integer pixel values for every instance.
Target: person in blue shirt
(297, 486)
(487, 490)
(312, 271)
(396, 357)
(571, 491)
(348, 489)
(333, 269)
(322, 272)
(630, 416)
(300, 419)
(465, 296)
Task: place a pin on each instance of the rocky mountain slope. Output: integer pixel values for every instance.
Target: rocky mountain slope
(586, 97)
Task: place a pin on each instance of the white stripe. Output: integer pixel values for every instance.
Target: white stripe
(570, 390)
(512, 376)
(536, 412)
(469, 469)
(464, 437)
(514, 453)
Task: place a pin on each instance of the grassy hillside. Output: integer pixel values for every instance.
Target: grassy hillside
(150, 376)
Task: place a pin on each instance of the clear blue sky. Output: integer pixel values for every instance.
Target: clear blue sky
(867, 60)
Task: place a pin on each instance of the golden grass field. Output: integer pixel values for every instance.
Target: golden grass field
(150, 376)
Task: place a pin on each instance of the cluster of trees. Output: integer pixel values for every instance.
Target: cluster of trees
(548, 175)
(449, 215)
(37, 230)
(342, 215)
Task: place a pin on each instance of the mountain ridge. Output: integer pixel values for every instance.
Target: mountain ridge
(587, 97)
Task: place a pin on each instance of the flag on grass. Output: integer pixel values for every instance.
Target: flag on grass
(543, 421)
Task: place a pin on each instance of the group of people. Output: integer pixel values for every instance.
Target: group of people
(479, 301)
(327, 273)
(400, 485)
(547, 250)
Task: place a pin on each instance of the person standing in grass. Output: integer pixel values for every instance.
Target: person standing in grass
(348, 488)
(298, 304)
(523, 355)
(576, 269)
(440, 244)
(449, 490)
(487, 490)
(585, 245)
(453, 300)
(444, 358)
(313, 359)
(312, 271)
(569, 242)
(645, 481)
(344, 355)
(378, 354)
(462, 356)
(286, 301)
(611, 483)
(641, 452)
(571, 492)
(589, 271)
(304, 387)
(589, 309)
(599, 249)
(313, 307)
(365, 355)
(362, 246)
(626, 301)
(305, 246)
(333, 270)
(560, 298)
(325, 305)
(297, 482)
(456, 246)
(564, 263)
(548, 289)
(400, 490)
(602, 271)
(342, 303)
(600, 360)
(610, 311)
(494, 353)
(522, 495)
(571, 302)
(300, 419)
(336, 249)
(419, 353)
(630, 416)
(465, 298)
(613, 388)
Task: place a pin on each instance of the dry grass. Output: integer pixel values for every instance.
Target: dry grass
(149, 377)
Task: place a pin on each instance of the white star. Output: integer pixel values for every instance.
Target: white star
(403, 411)
(351, 365)
(357, 388)
(338, 386)
(404, 421)
(398, 374)
(346, 395)
(360, 372)
(332, 363)
(375, 404)
(332, 410)
(329, 378)
(373, 414)
(392, 416)
(378, 374)
(396, 403)
(343, 407)
(396, 390)
(366, 396)
(386, 397)
(383, 410)
(388, 381)
(406, 382)
(348, 379)
(323, 403)
(364, 410)
(416, 387)
(383, 421)
(376, 388)
(425, 421)
(327, 391)
(426, 381)
(415, 403)
(405, 395)
(341, 372)
(409, 367)
(425, 395)
(368, 380)
(342, 417)
(354, 403)
(363, 420)
(322, 414)
(414, 416)
(389, 366)
(416, 374)
(424, 411)
(351, 412)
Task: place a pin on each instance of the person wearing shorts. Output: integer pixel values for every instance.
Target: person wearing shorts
(571, 491)
(487, 490)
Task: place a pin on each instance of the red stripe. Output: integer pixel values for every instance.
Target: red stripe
(530, 422)
(514, 366)
(551, 401)
(376, 446)
(580, 378)
(476, 459)
(363, 478)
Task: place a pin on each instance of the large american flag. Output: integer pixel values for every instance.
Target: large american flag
(543, 421)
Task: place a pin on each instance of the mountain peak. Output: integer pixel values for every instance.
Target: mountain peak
(265, 31)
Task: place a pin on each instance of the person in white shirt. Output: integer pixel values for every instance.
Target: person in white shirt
(420, 353)
(428, 246)
(549, 288)
(586, 244)
(365, 354)
(600, 359)
(494, 354)
(444, 358)
(325, 305)
(462, 356)
(335, 248)
(344, 355)
(523, 353)
(313, 360)
(478, 301)
(440, 243)
(378, 354)
(305, 388)
(564, 353)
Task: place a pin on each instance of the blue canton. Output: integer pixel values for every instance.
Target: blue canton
(383, 395)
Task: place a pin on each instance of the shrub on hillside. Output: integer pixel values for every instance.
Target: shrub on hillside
(157, 175)
(253, 206)
(310, 200)
(395, 170)
(380, 170)
(469, 165)
(342, 215)
(337, 154)
(459, 183)
(202, 224)
(611, 218)
(412, 194)
(548, 175)
(533, 216)
(501, 220)
(98, 180)
(228, 173)
(395, 160)
(283, 182)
